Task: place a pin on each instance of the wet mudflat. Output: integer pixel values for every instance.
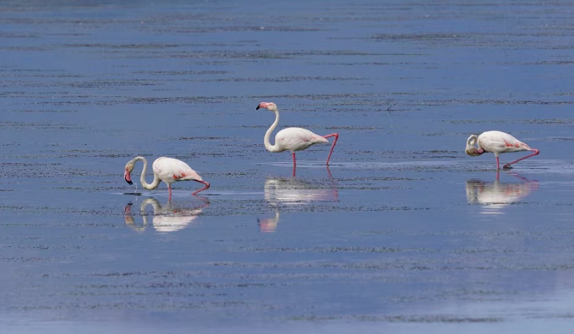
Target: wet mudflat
(403, 233)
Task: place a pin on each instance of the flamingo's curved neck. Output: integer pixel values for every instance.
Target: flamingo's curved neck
(471, 142)
(156, 179)
(268, 146)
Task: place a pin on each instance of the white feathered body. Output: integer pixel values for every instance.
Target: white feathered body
(297, 139)
(500, 142)
(171, 170)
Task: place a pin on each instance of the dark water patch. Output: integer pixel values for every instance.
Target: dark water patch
(553, 316)
(222, 54)
(215, 29)
(97, 84)
(35, 259)
(41, 125)
(342, 208)
(556, 121)
(183, 99)
(18, 35)
(479, 40)
(42, 75)
(25, 164)
(371, 160)
(431, 37)
(389, 63)
(339, 250)
(551, 62)
(100, 84)
(174, 285)
(183, 73)
(316, 97)
(400, 318)
(204, 138)
(281, 79)
(47, 247)
(25, 48)
(379, 178)
(44, 111)
(488, 102)
(557, 139)
(151, 46)
(357, 128)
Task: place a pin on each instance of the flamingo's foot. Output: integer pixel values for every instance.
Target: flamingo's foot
(507, 167)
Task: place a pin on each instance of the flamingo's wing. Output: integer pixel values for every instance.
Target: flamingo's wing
(296, 139)
(175, 170)
(498, 141)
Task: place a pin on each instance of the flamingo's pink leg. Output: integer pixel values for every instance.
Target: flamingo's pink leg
(336, 135)
(202, 189)
(169, 191)
(497, 163)
(294, 163)
(536, 152)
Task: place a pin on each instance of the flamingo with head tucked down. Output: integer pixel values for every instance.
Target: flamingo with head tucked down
(168, 170)
(293, 139)
(497, 142)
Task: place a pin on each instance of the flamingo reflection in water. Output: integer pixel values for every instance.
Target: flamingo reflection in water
(497, 195)
(290, 192)
(168, 218)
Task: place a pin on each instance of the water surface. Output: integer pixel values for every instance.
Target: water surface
(403, 233)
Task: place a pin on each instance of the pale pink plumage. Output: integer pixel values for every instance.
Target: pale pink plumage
(497, 142)
(172, 170)
(297, 139)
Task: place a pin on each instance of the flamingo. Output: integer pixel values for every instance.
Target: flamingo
(497, 142)
(168, 170)
(293, 139)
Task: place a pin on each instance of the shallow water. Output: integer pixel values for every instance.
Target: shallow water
(403, 232)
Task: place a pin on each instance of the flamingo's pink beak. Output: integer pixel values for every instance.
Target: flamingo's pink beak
(128, 177)
(262, 105)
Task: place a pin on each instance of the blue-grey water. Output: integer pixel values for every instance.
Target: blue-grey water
(403, 233)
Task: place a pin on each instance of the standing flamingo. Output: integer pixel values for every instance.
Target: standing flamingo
(293, 139)
(168, 170)
(497, 142)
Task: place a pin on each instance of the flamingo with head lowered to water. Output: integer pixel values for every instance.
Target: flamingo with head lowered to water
(293, 139)
(168, 170)
(497, 142)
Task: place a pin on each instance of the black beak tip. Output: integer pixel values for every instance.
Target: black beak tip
(257, 108)
(129, 182)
